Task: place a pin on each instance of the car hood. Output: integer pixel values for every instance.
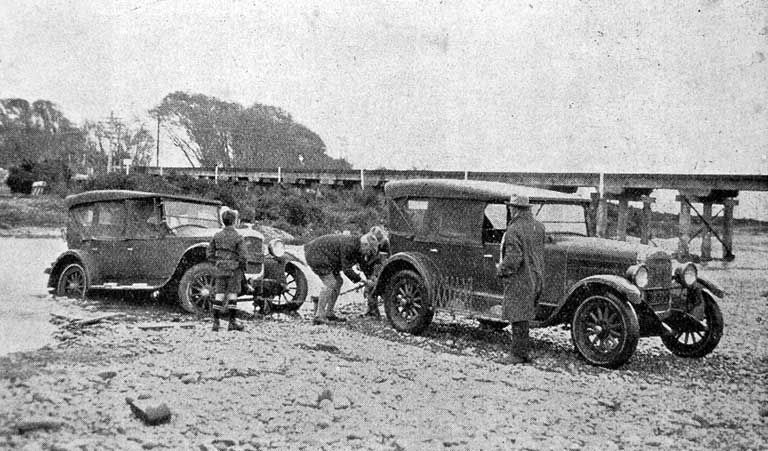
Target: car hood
(591, 248)
(196, 232)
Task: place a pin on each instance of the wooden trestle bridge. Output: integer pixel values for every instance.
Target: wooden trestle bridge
(697, 193)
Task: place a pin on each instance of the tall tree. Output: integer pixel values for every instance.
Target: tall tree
(37, 132)
(210, 131)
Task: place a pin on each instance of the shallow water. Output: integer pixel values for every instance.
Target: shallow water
(25, 305)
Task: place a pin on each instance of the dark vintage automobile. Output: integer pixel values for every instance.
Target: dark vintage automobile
(445, 240)
(139, 241)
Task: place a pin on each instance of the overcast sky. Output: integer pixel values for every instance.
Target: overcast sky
(506, 85)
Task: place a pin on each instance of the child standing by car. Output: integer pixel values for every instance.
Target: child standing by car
(227, 251)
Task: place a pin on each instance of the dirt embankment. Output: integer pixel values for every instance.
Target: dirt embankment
(285, 384)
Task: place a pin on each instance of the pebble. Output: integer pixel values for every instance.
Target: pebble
(326, 405)
(342, 403)
(106, 375)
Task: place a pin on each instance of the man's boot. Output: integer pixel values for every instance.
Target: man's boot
(519, 352)
(216, 323)
(373, 310)
(233, 324)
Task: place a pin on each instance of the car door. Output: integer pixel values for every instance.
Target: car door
(144, 245)
(107, 239)
(495, 218)
(454, 243)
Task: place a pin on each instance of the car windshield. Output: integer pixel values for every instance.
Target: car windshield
(561, 218)
(180, 213)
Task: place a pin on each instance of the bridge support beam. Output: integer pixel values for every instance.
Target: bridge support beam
(707, 229)
(645, 227)
(623, 197)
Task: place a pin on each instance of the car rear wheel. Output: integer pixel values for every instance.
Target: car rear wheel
(196, 288)
(406, 302)
(295, 291)
(691, 337)
(605, 330)
(72, 282)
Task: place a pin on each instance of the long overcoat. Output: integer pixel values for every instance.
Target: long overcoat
(521, 267)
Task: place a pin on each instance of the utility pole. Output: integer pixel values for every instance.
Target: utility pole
(157, 141)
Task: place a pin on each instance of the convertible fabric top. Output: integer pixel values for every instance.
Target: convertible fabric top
(474, 189)
(116, 194)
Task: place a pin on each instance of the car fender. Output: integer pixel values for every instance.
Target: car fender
(82, 257)
(415, 261)
(630, 292)
(711, 286)
(186, 261)
(294, 259)
(616, 283)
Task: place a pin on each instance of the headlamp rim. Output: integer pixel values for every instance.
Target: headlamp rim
(276, 247)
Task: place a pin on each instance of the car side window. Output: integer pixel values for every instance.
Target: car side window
(80, 224)
(494, 223)
(456, 220)
(109, 220)
(144, 220)
(408, 215)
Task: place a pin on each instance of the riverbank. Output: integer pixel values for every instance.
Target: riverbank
(286, 384)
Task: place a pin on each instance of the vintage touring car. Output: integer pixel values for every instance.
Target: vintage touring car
(445, 240)
(140, 241)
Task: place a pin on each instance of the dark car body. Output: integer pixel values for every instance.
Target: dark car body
(448, 233)
(132, 240)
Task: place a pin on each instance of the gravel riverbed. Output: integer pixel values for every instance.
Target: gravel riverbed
(286, 384)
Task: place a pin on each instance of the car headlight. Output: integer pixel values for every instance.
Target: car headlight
(687, 274)
(639, 275)
(277, 247)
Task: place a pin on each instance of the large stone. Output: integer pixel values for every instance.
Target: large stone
(34, 424)
(150, 414)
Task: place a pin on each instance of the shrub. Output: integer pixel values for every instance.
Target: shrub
(21, 178)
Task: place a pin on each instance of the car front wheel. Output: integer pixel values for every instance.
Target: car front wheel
(72, 282)
(605, 330)
(196, 288)
(406, 302)
(692, 337)
(295, 292)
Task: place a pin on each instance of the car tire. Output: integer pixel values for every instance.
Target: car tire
(196, 288)
(407, 303)
(687, 339)
(73, 282)
(296, 291)
(605, 330)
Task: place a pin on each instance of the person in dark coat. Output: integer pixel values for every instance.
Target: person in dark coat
(227, 251)
(521, 267)
(329, 256)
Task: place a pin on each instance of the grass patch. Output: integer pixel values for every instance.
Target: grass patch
(39, 211)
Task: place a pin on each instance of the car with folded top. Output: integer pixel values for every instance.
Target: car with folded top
(445, 238)
(122, 240)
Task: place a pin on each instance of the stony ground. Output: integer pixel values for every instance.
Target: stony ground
(285, 384)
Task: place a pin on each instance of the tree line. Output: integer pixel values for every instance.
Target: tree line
(37, 141)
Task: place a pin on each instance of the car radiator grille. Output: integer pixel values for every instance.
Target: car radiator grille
(659, 281)
(254, 248)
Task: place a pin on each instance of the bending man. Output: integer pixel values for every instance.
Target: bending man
(328, 256)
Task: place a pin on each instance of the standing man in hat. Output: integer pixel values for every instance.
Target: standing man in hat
(228, 253)
(328, 256)
(521, 267)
